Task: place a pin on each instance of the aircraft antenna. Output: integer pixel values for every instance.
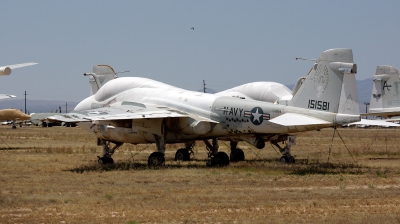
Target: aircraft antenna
(122, 71)
(306, 59)
(204, 86)
(25, 101)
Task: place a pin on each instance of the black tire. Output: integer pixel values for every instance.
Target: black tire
(284, 159)
(105, 160)
(221, 159)
(182, 155)
(237, 155)
(156, 159)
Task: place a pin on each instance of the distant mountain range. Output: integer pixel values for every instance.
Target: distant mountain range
(364, 89)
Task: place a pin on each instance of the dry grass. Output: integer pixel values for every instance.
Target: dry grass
(50, 175)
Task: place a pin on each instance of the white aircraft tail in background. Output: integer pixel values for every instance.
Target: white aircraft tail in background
(385, 98)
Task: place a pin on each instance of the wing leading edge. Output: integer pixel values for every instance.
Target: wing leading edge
(125, 111)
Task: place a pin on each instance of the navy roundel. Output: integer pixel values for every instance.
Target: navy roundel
(257, 116)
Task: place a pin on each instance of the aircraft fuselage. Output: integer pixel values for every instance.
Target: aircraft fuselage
(234, 117)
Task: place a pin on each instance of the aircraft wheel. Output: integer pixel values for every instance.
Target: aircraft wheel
(156, 159)
(284, 159)
(287, 159)
(237, 155)
(221, 159)
(182, 155)
(105, 160)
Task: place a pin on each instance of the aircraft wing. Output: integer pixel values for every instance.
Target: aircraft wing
(125, 111)
(21, 65)
(6, 70)
(291, 119)
(110, 113)
(6, 96)
(376, 123)
(67, 118)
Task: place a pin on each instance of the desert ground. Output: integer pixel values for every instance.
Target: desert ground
(51, 175)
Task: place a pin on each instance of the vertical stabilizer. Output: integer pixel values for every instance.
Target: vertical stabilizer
(104, 73)
(330, 85)
(385, 90)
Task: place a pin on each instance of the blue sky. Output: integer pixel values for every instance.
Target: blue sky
(234, 42)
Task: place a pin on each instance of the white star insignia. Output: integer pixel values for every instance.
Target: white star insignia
(256, 116)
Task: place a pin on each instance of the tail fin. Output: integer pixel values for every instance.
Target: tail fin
(103, 74)
(385, 98)
(330, 85)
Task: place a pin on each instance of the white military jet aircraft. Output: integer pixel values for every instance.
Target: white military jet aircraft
(139, 110)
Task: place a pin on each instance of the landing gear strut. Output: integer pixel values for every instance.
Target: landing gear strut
(184, 154)
(107, 151)
(157, 158)
(286, 150)
(216, 158)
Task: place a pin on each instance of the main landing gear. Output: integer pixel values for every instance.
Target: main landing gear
(286, 150)
(184, 154)
(215, 158)
(108, 150)
(158, 158)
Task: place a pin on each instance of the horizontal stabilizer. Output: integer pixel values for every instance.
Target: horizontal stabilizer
(375, 123)
(290, 119)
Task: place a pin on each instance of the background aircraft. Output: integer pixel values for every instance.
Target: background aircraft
(139, 110)
(385, 98)
(12, 114)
